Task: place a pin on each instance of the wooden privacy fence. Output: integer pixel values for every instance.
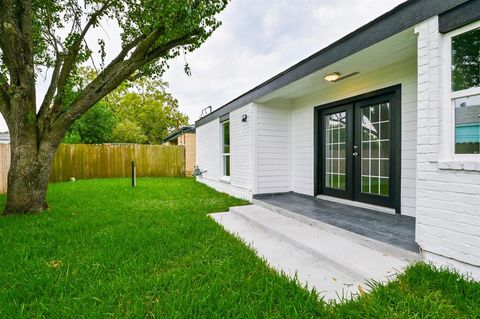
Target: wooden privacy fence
(107, 160)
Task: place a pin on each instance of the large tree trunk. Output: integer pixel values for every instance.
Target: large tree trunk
(31, 160)
(27, 182)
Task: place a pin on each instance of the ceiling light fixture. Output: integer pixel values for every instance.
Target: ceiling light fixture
(332, 77)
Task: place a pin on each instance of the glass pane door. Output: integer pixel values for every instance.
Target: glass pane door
(337, 129)
(360, 150)
(375, 149)
(335, 150)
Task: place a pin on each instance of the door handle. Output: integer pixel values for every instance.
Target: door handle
(355, 154)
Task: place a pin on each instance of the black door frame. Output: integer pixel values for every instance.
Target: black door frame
(395, 149)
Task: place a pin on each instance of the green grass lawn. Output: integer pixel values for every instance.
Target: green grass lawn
(107, 250)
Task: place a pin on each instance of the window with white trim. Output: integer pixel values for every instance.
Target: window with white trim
(465, 90)
(226, 148)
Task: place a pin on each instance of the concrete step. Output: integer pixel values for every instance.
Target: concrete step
(345, 253)
(311, 271)
(332, 262)
(363, 240)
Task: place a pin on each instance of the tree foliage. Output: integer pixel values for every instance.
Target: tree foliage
(128, 131)
(61, 36)
(52, 34)
(466, 60)
(147, 104)
(141, 111)
(94, 127)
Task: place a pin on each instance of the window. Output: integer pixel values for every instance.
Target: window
(226, 148)
(467, 125)
(466, 60)
(465, 91)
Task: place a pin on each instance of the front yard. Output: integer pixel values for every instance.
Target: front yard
(107, 250)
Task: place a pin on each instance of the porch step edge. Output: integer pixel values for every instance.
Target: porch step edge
(237, 210)
(313, 273)
(362, 240)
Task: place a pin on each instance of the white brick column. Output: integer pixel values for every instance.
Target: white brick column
(448, 201)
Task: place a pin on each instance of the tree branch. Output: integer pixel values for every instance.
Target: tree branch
(17, 55)
(113, 75)
(71, 56)
(127, 48)
(160, 50)
(10, 39)
(52, 89)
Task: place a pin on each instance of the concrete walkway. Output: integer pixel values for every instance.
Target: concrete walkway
(334, 263)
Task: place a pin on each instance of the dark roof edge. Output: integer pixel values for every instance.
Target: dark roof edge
(400, 18)
(182, 130)
(460, 16)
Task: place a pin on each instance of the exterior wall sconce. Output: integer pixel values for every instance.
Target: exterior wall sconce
(244, 118)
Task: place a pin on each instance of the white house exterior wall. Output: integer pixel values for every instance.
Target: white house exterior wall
(241, 148)
(209, 158)
(302, 149)
(448, 191)
(208, 150)
(272, 149)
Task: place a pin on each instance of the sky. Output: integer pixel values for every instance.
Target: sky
(257, 40)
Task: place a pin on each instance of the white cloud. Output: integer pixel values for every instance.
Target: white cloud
(258, 39)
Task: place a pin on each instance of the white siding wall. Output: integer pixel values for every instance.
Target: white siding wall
(241, 145)
(448, 200)
(403, 73)
(272, 149)
(209, 157)
(302, 150)
(208, 149)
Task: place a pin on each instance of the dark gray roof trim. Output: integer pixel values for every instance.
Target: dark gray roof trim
(224, 117)
(175, 134)
(402, 17)
(460, 16)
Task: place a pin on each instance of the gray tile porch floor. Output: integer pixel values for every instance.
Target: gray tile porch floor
(396, 230)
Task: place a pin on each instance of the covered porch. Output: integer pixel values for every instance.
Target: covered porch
(353, 137)
(391, 229)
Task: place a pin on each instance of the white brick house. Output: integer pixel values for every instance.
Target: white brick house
(387, 116)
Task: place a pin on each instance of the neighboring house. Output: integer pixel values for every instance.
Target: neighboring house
(4, 138)
(186, 137)
(467, 128)
(387, 115)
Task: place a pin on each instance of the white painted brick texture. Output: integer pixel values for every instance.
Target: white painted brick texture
(448, 201)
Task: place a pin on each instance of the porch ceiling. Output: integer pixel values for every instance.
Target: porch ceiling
(400, 47)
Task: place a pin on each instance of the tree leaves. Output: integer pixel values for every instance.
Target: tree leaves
(145, 103)
(94, 127)
(141, 112)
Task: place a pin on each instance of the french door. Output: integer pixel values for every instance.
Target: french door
(359, 154)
